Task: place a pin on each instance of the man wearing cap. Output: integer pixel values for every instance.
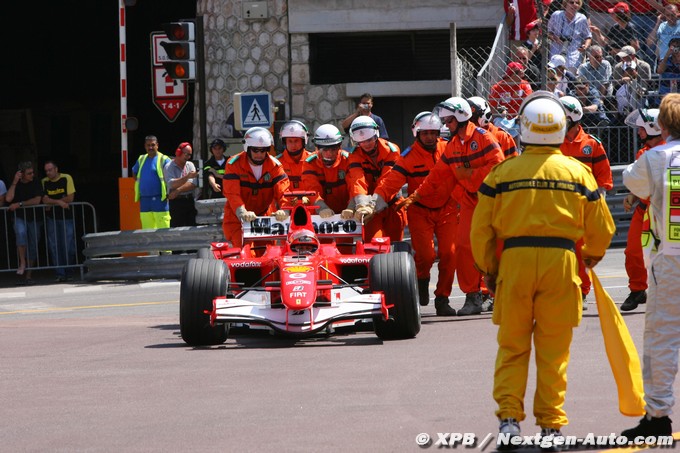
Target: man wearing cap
(213, 170)
(627, 55)
(507, 95)
(565, 78)
(622, 33)
(597, 71)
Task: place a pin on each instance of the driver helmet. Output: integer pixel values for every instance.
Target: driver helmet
(303, 242)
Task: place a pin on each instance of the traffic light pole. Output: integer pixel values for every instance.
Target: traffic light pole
(200, 74)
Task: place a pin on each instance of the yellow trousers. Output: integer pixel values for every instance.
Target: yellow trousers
(155, 220)
(537, 294)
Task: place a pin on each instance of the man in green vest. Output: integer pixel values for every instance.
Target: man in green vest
(150, 189)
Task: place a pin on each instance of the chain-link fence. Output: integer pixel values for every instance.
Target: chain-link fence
(614, 57)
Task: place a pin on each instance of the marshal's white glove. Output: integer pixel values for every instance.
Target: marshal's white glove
(280, 215)
(347, 214)
(326, 213)
(362, 212)
(244, 215)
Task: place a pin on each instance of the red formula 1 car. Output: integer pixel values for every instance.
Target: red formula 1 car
(292, 277)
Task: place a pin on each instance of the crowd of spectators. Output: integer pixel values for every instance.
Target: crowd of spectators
(613, 56)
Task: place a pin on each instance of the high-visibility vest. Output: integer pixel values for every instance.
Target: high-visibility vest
(159, 171)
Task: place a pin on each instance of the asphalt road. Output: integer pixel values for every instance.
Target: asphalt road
(101, 367)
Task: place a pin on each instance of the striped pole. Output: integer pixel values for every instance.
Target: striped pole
(123, 90)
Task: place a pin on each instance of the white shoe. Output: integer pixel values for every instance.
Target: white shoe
(508, 429)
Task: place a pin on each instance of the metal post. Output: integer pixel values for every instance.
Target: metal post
(455, 76)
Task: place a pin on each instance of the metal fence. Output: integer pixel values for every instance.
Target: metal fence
(83, 220)
(485, 71)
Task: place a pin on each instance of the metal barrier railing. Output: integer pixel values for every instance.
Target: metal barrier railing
(56, 241)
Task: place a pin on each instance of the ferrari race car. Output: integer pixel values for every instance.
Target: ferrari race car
(292, 277)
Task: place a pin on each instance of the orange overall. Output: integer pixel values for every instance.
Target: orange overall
(241, 188)
(466, 161)
(427, 218)
(364, 175)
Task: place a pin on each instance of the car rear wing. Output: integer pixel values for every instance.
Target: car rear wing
(268, 228)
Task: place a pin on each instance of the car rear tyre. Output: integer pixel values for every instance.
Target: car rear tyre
(395, 275)
(202, 281)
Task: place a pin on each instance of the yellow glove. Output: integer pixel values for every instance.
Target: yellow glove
(347, 214)
(281, 215)
(326, 213)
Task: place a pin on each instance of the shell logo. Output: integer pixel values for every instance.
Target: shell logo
(298, 269)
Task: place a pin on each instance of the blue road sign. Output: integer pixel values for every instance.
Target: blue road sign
(252, 109)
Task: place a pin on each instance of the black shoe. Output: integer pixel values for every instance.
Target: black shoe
(584, 303)
(472, 305)
(634, 299)
(424, 291)
(441, 304)
(650, 426)
(487, 302)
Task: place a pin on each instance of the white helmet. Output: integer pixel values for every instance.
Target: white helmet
(455, 106)
(573, 108)
(258, 137)
(426, 121)
(363, 128)
(647, 118)
(543, 120)
(294, 128)
(327, 135)
(481, 109)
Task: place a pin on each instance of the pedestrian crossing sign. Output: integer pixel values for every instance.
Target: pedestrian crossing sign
(252, 109)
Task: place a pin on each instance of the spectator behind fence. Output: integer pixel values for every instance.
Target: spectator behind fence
(25, 191)
(597, 71)
(644, 71)
(533, 43)
(664, 30)
(591, 103)
(518, 14)
(181, 179)
(150, 188)
(364, 107)
(531, 71)
(552, 81)
(631, 94)
(622, 33)
(569, 33)
(58, 193)
(3, 192)
(506, 96)
(669, 69)
(565, 78)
